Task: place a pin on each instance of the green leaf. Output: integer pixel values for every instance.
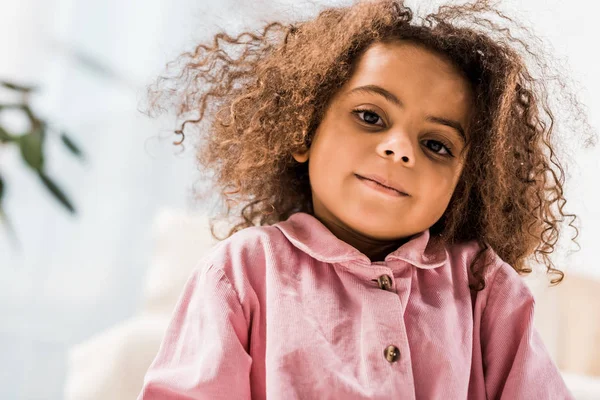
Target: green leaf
(56, 191)
(17, 87)
(4, 135)
(71, 145)
(4, 218)
(31, 148)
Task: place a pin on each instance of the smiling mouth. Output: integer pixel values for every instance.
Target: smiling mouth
(382, 188)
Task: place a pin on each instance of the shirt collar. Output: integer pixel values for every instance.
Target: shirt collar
(308, 234)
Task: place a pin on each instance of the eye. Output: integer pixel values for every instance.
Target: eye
(436, 146)
(369, 116)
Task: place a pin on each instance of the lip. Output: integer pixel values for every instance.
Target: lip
(384, 182)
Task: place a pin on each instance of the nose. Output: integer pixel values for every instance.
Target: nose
(398, 147)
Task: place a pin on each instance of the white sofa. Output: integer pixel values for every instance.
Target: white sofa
(112, 364)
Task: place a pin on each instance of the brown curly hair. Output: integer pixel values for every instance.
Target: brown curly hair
(269, 91)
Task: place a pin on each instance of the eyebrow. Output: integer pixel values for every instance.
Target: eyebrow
(374, 89)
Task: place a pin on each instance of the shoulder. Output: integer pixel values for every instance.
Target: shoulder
(505, 289)
(505, 285)
(467, 254)
(499, 276)
(472, 250)
(243, 256)
(249, 243)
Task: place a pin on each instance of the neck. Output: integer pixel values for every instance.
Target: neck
(374, 249)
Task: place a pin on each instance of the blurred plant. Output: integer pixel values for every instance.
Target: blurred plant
(31, 145)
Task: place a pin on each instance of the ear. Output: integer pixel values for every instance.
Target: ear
(301, 157)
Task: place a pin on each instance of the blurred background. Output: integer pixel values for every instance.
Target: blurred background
(85, 295)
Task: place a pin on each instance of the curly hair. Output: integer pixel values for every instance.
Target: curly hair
(267, 94)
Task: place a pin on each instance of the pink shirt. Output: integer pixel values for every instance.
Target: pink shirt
(290, 311)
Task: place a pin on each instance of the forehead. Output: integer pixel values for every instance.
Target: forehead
(415, 73)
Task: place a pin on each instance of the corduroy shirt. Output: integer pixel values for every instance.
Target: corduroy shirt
(290, 311)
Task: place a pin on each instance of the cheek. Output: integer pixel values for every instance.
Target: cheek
(333, 155)
(322, 168)
(436, 196)
(325, 173)
(440, 187)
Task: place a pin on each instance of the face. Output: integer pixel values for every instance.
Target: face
(400, 120)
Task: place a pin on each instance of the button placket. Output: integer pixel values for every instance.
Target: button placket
(384, 281)
(391, 353)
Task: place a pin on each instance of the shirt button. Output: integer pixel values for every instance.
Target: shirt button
(385, 282)
(391, 353)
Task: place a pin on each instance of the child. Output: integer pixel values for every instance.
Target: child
(395, 181)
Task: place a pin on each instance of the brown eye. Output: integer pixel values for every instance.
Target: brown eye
(436, 146)
(369, 116)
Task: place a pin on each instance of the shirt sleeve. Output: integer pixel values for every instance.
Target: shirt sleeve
(203, 353)
(517, 364)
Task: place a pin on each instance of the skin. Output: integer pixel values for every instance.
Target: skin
(395, 141)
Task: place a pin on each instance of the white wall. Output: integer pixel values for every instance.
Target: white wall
(74, 277)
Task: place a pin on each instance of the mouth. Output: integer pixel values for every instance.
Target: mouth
(380, 187)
